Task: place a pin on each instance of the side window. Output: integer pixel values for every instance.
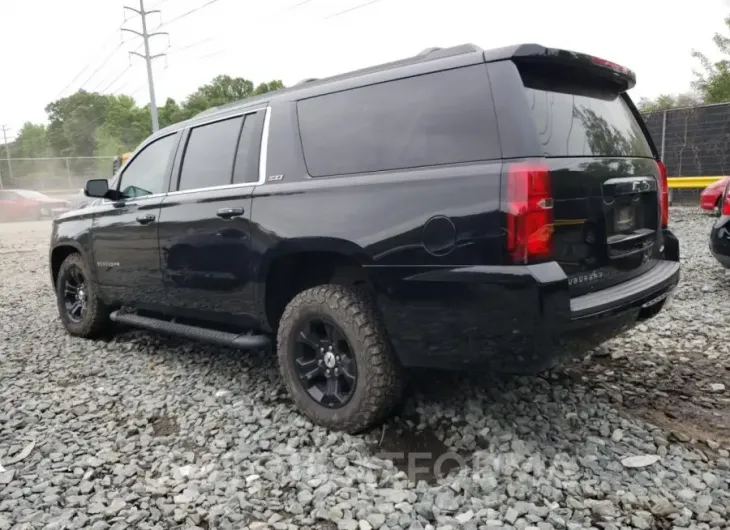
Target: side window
(208, 159)
(147, 173)
(246, 168)
(441, 118)
(6, 195)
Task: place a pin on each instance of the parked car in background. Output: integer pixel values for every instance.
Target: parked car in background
(720, 233)
(711, 196)
(29, 204)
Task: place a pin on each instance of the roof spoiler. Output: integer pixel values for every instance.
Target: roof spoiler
(616, 74)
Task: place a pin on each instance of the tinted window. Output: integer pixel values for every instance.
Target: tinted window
(581, 120)
(249, 148)
(7, 195)
(441, 118)
(209, 155)
(147, 173)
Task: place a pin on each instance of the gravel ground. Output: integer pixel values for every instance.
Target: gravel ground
(145, 432)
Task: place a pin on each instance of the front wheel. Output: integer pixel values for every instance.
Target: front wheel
(336, 360)
(81, 310)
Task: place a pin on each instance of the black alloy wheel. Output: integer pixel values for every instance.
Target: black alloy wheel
(75, 294)
(325, 363)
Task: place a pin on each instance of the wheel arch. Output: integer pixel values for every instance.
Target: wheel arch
(296, 265)
(59, 253)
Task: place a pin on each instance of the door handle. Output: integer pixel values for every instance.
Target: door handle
(145, 219)
(228, 213)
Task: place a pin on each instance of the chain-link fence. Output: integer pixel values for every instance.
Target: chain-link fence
(56, 173)
(693, 141)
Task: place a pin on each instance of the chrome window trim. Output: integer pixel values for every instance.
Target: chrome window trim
(264, 153)
(263, 157)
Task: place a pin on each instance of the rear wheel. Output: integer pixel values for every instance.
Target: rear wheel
(336, 360)
(82, 312)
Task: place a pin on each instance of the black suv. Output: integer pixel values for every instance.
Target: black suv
(461, 208)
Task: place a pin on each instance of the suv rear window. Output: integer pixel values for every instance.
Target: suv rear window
(576, 119)
(433, 119)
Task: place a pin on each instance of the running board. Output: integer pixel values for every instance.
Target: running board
(221, 338)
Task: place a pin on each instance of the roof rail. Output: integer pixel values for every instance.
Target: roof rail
(428, 51)
(437, 53)
(307, 80)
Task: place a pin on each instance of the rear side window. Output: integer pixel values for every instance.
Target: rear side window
(209, 154)
(579, 120)
(246, 169)
(433, 119)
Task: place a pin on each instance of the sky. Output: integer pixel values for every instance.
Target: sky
(52, 48)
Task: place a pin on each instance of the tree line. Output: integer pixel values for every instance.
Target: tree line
(93, 124)
(711, 84)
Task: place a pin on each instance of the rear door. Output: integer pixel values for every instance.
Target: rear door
(205, 232)
(604, 175)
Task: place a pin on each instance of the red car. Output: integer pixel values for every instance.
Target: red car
(28, 204)
(710, 198)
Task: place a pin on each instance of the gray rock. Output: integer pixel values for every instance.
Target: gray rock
(447, 501)
(639, 461)
(604, 508)
(642, 520)
(376, 520)
(347, 524)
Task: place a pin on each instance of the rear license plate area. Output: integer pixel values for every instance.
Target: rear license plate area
(624, 218)
(631, 215)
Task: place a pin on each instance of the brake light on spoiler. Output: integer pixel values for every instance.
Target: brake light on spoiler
(622, 77)
(611, 65)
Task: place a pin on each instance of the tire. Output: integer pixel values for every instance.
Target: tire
(378, 382)
(94, 318)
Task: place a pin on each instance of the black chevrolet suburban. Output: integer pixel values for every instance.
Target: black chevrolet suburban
(461, 208)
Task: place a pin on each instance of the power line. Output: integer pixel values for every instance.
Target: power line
(81, 72)
(117, 78)
(193, 45)
(359, 6)
(194, 10)
(102, 65)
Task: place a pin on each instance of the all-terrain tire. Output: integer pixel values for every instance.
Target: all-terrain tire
(379, 379)
(96, 317)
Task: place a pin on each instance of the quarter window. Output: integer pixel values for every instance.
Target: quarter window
(440, 118)
(249, 148)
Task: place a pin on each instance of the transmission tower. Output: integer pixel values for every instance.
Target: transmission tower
(147, 57)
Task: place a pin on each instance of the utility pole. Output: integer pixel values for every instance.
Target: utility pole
(147, 57)
(7, 155)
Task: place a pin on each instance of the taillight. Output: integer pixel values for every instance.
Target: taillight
(664, 198)
(529, 212)
(725, 210)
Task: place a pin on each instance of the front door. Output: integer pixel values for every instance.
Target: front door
(124, 236)
(205, 229)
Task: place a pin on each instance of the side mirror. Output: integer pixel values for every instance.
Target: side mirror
(97, 188)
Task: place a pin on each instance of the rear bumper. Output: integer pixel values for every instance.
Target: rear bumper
(516, 318)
